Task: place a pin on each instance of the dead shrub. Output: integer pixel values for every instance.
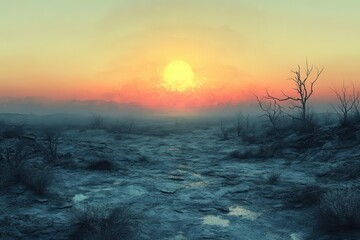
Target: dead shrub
(102, 224)
(340, 210)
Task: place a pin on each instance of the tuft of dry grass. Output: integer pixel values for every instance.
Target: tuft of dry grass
(340, 210)
(11, 167)
(13, 170)
(37, 180)
(97, 223)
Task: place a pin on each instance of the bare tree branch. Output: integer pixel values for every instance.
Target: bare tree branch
(347, 103)
(272, 110)
(304, 89)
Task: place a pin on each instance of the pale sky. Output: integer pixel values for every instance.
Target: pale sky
(117, 50)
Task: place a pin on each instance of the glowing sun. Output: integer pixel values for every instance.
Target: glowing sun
(178, 76)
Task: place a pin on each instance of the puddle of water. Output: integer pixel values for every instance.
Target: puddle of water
(214, 220)
(79, 197)
(239, 211)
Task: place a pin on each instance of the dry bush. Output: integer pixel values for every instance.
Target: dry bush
(13, 170)
(223, 131)
(11, 166)
(241, 125)
(101, 224)
(37, 180)
(304, 89)
(298, 196)
(125, 126)
(97, 121)
(340, 210)
(14, 130)
(348, 102)
(272, 111)
(305, 196)
(52, 140)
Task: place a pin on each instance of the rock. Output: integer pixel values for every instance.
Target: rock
(64, 206)
(242, 187)
(222, 209)
(205, 209)
(279, 205)
(135, 191)
(41, 200)
(176, 178)
(168, 188)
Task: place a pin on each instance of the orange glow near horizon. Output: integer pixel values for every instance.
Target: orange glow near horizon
(205, 54)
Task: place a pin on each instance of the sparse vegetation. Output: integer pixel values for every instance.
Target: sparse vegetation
(299, 196)
(11, 166)
(305, 196)
(223, 131)
(125, 126)
(327, 118)
(13, 170)
(38, 180)
(97, 223)
(272, 111)
(97, 121)
(304, 89)
(340, 210)
(14, 130)
(52, 140)
(348, 102)
(238, 125)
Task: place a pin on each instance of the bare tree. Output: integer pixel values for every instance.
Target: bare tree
(304, 88)
(327, 118)
(238, 124)
(272, 110)
(97, 121)
(347, 103)
(357, 107)
(223, 133)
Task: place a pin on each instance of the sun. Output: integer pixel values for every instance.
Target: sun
(178, 77)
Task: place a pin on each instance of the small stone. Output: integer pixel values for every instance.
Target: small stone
(64, 206)
(176, 178)
(41, 200)
(242, 188)
(168, 190)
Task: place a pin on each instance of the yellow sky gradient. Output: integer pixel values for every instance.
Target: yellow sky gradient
(117, 50)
